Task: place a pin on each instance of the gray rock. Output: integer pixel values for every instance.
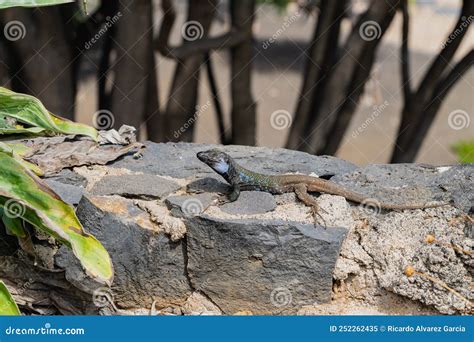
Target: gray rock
(67, 176)
(250, 202)
(69, 193)
(148, 265)
(135, 186)
(412, 183)
(189, 205)
(273, 267)
(263, 267)
(179, 160)
(209, 184)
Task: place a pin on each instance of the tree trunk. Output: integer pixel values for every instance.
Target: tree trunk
(43, 59)
(243, 105)
(360, 76)
(421, 107)
(133, 67)
(5, 67)
(322, 58)
(180, 114)
(347, 77)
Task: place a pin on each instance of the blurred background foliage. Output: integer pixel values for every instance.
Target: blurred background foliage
(366, 80)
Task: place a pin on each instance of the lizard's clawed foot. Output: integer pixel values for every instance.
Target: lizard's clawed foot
(315, 213)
(222, 199)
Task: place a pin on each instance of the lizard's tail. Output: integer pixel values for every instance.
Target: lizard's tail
(353, 196)
(374, 202)
(413, 206)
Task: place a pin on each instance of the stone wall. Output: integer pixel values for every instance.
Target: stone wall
(176, 250)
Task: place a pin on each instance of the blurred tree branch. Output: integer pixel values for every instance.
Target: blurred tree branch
(243, 105)
(336, 101)
(420, 109)
(404, 53)
(180, 115)
(188, 48)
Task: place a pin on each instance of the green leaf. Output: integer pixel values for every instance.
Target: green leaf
(21, 113)
(8, 306)
(31, 3)
(17, 151)
(465, 151)
(23, 194)
(14, 225)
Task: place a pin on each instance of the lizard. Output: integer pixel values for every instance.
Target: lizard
(241, 179)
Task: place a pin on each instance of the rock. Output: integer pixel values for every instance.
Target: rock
(69, 193)
(335, 211)
(277, 262)
(263, 267)
(179, 160)
(197, 304)
(208, 184)
(148, 265)
(135, 186)
(249, 203)
(67, 176)
(189, 205)
(413, 183)
(392, 242)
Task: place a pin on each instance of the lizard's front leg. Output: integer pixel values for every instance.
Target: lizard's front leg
(235, 193)
(232, 196)
(301, 191)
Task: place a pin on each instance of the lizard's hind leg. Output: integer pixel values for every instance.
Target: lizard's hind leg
(301, 191)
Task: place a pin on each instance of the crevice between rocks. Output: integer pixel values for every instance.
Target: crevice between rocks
(184, 243)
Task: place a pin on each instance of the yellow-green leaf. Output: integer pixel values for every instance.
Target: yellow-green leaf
(25, 114)
(23, 194)
(31, 3)
(17, 151)
(14, 225)
(8, 306)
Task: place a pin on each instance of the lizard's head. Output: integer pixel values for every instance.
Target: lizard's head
(217, 160)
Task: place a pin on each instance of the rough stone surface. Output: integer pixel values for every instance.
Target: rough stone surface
(413, 183)
(189, 205)
(197, 304)
(376, 254)
(69, 193)
(70, 177)
(250, 203)
(265, 261)
(135, 186)
(208, 184)
(179, 160)
(148, 265)
(265, 267)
